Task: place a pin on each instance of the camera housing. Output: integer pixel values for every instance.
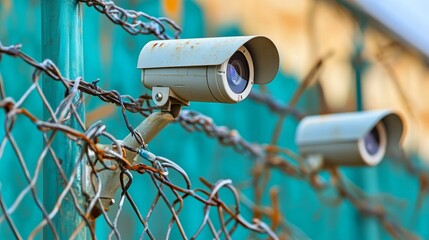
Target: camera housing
(221, 69)
(350, 139)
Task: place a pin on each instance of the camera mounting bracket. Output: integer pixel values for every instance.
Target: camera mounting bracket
(313, 163)
(165, 98)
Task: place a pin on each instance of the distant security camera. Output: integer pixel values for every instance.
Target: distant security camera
(351, 139)
(221, 69)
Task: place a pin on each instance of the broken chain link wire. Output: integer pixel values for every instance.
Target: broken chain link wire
(134, 21)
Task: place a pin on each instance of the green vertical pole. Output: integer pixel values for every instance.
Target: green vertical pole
(368, 176)
(358, 85)
(62, 43)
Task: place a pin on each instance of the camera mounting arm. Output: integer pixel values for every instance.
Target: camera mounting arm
(108, 180)
(313, 163)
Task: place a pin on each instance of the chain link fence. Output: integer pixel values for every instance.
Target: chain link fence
(222, 203)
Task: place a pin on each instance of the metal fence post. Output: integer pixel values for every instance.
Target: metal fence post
(62, 43)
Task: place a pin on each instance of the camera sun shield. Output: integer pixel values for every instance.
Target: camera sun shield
(221, 69)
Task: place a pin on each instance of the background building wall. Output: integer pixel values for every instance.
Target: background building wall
(305, 32)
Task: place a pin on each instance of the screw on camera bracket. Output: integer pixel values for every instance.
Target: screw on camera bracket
(168, 101)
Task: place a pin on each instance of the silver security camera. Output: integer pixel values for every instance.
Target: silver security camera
(221, 69)
(350, 139)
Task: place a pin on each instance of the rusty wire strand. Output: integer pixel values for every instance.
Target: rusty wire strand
(135, 22)
(40, 123)
(87, 139)
(274, 105)
(261, 172)
(270, 158)
(194, 121)
(306, 82)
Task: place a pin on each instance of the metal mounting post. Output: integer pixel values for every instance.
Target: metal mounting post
(62, 43)
(110, 183)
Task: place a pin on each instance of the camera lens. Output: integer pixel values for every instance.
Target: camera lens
(237, 72)
(372, 141)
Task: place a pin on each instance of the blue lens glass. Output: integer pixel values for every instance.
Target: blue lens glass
(372, 141)
(233, 75)
(237, 72)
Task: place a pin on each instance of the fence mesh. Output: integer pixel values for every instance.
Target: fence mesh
(222, 202)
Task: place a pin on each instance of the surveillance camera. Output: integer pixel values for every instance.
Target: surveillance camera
(350, 139)
(221, 69)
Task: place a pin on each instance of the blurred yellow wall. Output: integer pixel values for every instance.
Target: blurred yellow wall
(305, 30)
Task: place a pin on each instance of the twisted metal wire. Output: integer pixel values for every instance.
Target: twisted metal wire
(157, 168)
(135, 22)
(266, 156)
(194, 121)
(275, 158)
